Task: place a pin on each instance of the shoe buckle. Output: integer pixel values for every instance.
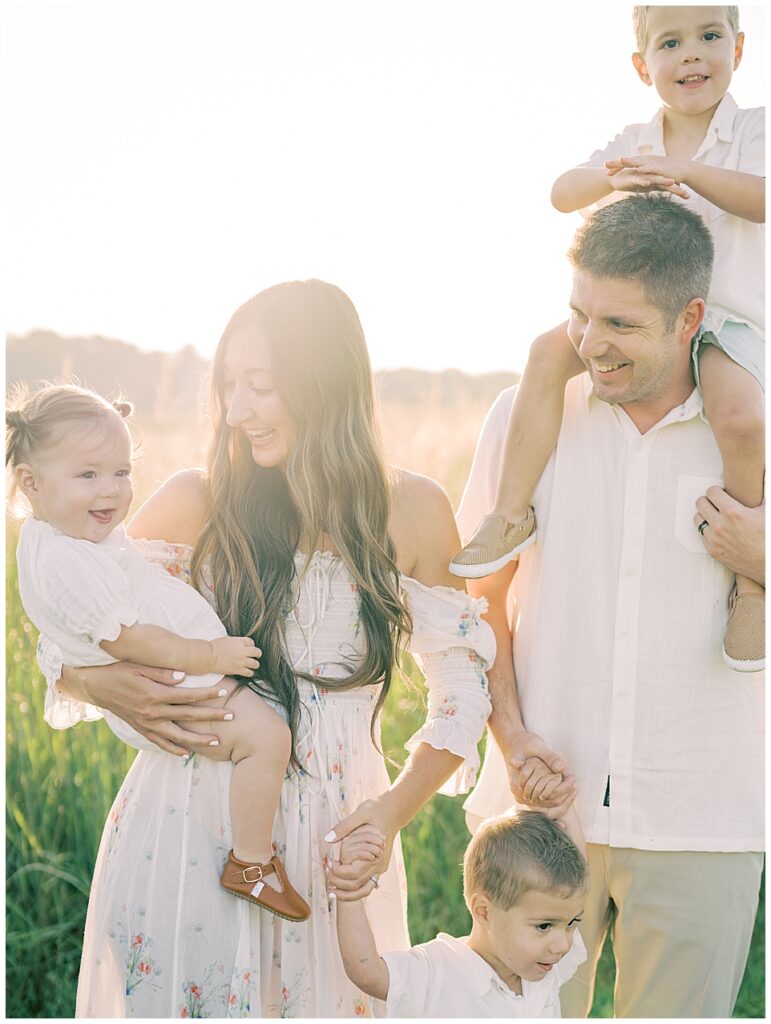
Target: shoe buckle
(253, 867)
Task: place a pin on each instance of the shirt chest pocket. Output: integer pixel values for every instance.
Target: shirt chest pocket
(689, 488)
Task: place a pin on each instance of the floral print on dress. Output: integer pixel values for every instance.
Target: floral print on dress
(238, 1000)
(197, 999)
(215, 956)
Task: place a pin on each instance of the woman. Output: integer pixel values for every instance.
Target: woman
(305, 541)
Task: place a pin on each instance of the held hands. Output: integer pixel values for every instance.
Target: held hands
(235, 656)
(647, 174)
(366, 839)
(538, 777)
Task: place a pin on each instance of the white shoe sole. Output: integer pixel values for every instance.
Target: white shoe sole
(744, 666)
(475, 572)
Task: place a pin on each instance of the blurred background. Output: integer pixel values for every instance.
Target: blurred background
(166, 162)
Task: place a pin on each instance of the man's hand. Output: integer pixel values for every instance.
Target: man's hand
(647, 174)
(735, 535)
(531, 767)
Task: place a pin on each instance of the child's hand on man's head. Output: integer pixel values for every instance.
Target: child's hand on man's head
(647, 174)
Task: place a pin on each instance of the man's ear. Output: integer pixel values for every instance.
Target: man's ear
(26, 480)
(641, 68)
(692, 317)
(479, 905)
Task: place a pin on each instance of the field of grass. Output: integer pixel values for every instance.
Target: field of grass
(60, 786)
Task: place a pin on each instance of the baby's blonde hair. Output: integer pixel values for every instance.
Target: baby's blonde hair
(641, 27)
(37, 422)
(515, 853)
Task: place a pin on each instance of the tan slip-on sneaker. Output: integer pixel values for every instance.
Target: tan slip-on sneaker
(496, 541)
(744, 645)
(246, 880)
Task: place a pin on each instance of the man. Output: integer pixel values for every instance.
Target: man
(619, 613)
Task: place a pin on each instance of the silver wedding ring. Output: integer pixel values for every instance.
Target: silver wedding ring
(703, 525)
(374, 880)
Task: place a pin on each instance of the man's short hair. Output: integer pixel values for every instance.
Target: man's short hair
(516, 853)
(641, 24)
(653, 240)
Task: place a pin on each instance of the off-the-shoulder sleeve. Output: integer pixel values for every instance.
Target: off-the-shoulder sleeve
(454, 647)
(174, 558)
(61, 712)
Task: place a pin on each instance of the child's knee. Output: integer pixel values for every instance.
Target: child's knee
(553, 354)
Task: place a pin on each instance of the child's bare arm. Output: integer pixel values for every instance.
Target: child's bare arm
(736, 192)
(572, 824)
(363, 964)
(152, 645)
(579, 187)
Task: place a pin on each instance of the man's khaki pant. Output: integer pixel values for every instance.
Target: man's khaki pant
(680, 924)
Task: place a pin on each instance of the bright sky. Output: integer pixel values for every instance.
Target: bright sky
(167, 162)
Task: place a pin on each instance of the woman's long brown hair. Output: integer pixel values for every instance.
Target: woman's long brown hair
(335, 482)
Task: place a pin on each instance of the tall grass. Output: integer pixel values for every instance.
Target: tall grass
(60, 784)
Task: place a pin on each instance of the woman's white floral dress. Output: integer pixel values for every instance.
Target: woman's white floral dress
(162, 938)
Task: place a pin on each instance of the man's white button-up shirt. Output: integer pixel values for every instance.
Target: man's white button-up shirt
(619, 615)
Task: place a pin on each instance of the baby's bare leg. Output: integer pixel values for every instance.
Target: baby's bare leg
(258, 742)
(733, 402)
(535, 420)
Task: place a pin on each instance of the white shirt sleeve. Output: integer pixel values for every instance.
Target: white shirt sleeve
(479, 495)
(752, 153)
(411, 980)
(624, 144)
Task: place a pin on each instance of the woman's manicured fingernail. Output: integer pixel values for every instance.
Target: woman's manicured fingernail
(333, 895)
(177, 675)
(214, 743)
(222, 693)
(228, 717)
(330, 837)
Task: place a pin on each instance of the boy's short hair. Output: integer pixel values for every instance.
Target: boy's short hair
(640, 22)
(515, 853)
(653, 240)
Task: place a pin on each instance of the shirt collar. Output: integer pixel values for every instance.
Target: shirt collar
(721, 128)
(480, 975)
(652, 133)
(692, 407)
(722, 124)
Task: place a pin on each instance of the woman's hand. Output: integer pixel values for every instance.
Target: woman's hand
(150, 701)
(368, 837)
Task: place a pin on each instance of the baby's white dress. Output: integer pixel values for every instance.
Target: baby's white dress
(78, 593)
(162, 938)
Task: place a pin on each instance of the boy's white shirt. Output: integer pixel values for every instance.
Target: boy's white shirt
(735, 141)
(444, 978)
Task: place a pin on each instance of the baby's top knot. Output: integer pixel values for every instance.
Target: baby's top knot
(125, 409)
(15, 419)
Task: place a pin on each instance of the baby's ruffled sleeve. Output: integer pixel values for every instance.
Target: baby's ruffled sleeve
(454, 647)
(60, 712)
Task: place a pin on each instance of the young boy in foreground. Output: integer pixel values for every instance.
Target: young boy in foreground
(524, 881)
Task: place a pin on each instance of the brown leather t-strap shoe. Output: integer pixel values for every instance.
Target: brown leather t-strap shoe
(246, 880)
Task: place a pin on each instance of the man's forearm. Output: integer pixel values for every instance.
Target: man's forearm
(506, 718)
